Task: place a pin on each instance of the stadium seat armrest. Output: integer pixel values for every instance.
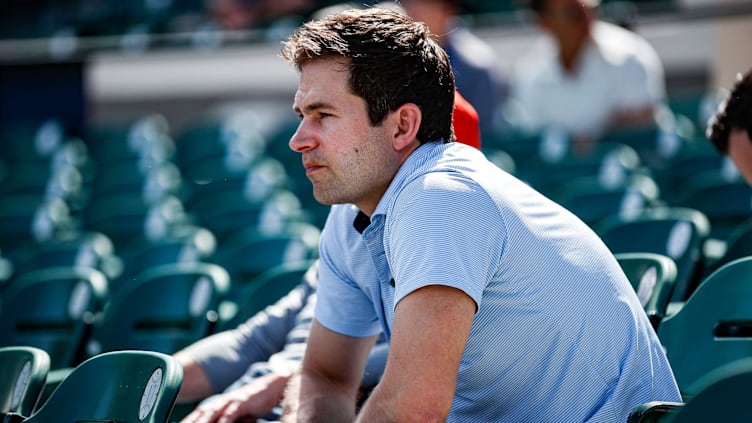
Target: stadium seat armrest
(654, 412)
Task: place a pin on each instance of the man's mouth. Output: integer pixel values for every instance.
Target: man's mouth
(311, 167)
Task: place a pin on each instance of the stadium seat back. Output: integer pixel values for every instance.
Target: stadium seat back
(653, 277)
(722, 395)
(121, 386)
(713, 327)
(53, 309)
(163, 309)
(267, 288)
(23, 372)
(678, 233)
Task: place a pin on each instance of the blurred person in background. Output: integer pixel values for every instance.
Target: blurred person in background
(587, 76)
(478, 74)
(730, 129)
(246, 14)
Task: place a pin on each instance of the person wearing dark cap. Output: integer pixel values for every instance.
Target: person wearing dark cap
(730, 129)
(585, 77)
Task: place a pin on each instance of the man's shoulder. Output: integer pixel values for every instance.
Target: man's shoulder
(620, 45)
(453, 174)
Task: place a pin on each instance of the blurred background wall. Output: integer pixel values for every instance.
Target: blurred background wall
(116, 66)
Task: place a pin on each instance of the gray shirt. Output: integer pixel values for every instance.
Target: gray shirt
(272, 340)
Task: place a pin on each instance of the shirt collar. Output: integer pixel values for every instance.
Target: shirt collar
(424, 157)
(361, 222)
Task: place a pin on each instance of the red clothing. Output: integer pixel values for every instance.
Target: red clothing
(465, 121)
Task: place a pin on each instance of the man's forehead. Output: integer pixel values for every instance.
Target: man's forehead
(306, 96)
(320, 83)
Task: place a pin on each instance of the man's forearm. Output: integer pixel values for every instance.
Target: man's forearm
(311, 399)
(196, 385)
(386, 406)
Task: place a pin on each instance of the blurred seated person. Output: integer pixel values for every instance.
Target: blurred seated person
(246, 14)
(478, 74)
(243, 372)
(586, 76)
(730, 129)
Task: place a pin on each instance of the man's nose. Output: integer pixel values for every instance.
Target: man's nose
(303, 139)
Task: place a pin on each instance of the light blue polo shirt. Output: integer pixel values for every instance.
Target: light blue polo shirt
(559, 334)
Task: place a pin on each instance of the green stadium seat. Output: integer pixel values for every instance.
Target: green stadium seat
(74, 248)
(725, 200)
(678, 233)
(592, 200)
(264, 290)
(250, 253)
(653, 277)
(23, 373)
(164, 309)
(738, 245)
(712, 328)
(119, 386)
(52, 309)
(722, 396)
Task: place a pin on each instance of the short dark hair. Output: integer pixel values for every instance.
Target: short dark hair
(734, 112)
(539, 6)
(536, 6)
(392, 59)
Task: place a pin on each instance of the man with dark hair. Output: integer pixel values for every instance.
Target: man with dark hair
(497, 303)
(243, 371)
(730, 130)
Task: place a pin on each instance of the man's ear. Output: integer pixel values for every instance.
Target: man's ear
(408, 118)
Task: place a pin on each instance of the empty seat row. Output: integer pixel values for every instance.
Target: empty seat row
(121, 386)
(73, 313)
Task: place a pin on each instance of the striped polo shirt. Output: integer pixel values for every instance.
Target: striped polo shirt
(559, 334)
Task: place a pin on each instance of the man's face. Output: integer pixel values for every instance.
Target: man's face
(567, 20)
(346, 158)
(740, 151)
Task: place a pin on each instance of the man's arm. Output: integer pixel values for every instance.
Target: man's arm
(326, 387)
(196, 383)
(431, 328)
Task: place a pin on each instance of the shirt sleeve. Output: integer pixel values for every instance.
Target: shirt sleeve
(227, 355)
(343, 306)
(444, 230)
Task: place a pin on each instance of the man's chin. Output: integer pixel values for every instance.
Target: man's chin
(323, 199)
(327, 201)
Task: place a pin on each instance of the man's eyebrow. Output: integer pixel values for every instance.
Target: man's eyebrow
(313, 107)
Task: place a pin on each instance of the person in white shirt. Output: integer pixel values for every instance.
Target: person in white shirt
(586, 76)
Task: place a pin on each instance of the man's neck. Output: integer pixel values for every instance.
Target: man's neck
(569, 54)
